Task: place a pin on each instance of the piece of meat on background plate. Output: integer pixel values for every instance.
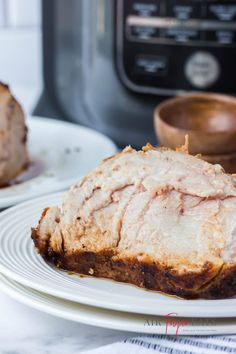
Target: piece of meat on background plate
(13, 136)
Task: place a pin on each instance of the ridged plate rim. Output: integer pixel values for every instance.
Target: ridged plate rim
(19, 261)
(111, 319)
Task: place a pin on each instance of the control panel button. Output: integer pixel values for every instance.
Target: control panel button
(181, 34)
(202, 69)
(221, 36)
(144, 32)
(225, 11)
(151, 65)
(144, 8)
(183, 10)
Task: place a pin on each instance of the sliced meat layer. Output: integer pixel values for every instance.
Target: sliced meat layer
(157, 218)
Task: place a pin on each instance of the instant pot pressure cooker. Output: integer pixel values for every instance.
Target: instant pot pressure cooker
(108, 63)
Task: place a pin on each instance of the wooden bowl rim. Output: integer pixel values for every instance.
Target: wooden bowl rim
(182, 98)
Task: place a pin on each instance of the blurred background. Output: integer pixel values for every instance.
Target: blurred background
(107, 64)
(21, 49)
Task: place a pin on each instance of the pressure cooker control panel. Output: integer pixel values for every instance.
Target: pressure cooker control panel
(167, 47)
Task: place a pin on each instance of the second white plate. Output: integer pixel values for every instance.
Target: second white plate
(19, 261)
(115, 319)
(60, 154)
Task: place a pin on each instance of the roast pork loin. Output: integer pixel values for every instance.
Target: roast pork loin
(13, 136)
(156, 218)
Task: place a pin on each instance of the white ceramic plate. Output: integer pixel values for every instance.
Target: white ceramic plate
(60, 153)
(19, 261)
(114, 319)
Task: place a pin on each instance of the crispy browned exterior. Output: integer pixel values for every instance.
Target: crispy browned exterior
(18, 159)
(148, 274)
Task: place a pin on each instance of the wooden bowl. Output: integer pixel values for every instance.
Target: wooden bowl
(208, 119)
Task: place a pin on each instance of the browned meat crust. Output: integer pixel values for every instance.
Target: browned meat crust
(148, 274)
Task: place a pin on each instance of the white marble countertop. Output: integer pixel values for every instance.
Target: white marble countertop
(24, 330)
